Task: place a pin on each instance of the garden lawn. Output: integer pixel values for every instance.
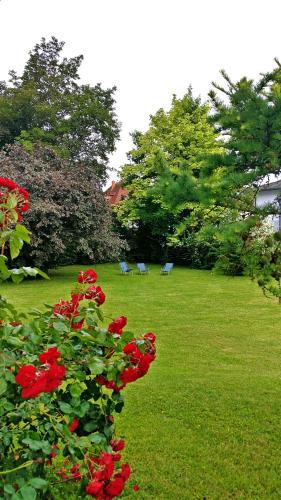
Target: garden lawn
(205, 422)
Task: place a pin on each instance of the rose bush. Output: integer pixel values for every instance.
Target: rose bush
(62, 373)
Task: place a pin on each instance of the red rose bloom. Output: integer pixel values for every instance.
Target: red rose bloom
(129, 348)
(150, 336)
(76, 298)
(90, 276)
(54, 376)
(117, 445)
(8, 184)
(94, 488)
(115, 487)
(117, 325)
(26, 375)
(23, 192)
(100, 296)
(50, 356)
(91, 292)
(74, 424)
(35, 388)
(129, 375)
(125, 471)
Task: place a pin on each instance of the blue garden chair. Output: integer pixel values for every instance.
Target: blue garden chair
(125, 269)
(143, 269)
(167, 268)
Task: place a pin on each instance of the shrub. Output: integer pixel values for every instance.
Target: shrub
(69, 218)
(62, 374)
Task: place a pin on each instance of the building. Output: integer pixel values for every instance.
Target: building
(271, 193)
(115, 193)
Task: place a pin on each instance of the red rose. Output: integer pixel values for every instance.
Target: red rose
(24, 193)
(136, 487)
(100, 296)
(94, 488)
(35, 388)
(90, 276)
(115, 487)
(129, 375)
(76, 298)
(8, 184)
(25, 207)
(26, 375)
(74, 424)
(50, 356)
(129, 348)
(117, 445)
(125, 471)
(65, 308)
(150, 336)
(91, 292)
(117, 325)
(54, 377)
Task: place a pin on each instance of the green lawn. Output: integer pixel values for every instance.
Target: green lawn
(206, 421)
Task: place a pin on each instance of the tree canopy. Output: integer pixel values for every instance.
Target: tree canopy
(48, 105)
(172, 148)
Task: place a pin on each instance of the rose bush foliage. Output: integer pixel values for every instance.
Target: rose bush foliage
(61, 376)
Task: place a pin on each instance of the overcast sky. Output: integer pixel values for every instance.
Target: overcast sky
(149, 49)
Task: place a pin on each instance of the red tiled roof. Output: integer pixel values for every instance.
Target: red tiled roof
(115, 193)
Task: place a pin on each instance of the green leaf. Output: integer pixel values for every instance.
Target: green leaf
(65, 407)
(96, 366)
(28, 493)
(97, 438)
(90, 426)
(15, 342)
(4, 271)
(23, 233)
(60, 326)
(15, 247)
(38, 483)
(8, 488)
(38, 445)
(127, 337)
(3, 386)
(76, 390)
(30, 271)
(41, 273)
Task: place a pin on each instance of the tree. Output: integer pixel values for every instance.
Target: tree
(46, 104)
(172, 147)
(249, 118)
(68, 217)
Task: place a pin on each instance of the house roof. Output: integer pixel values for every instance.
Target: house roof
(115, 193)
(271, 186)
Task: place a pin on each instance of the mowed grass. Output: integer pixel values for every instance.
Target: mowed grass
(205, 423)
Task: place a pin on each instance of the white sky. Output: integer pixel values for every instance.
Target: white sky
(149, 49)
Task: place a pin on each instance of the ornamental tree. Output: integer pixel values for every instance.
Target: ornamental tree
(69, 218)
(62, 376)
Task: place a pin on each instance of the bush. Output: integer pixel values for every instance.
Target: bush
(69, 218)
(61, 377)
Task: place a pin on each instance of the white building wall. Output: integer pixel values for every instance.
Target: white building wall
(266, 197)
